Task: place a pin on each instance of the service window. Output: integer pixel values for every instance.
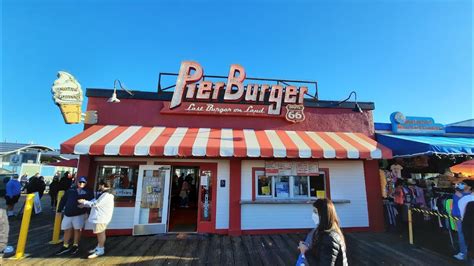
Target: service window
(264, 185)
(124, 180)
(290, 187)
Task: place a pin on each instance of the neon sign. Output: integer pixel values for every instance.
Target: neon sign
(190, 87)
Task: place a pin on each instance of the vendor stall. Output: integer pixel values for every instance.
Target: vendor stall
(231, 155)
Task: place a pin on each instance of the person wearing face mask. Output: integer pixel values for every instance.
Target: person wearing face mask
(309, 237)
(308, 242)
(462, 190)
(102, 210)
(327, 241)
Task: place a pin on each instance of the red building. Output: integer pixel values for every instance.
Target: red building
(250, 156)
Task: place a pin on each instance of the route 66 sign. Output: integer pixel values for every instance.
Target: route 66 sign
(295, 113)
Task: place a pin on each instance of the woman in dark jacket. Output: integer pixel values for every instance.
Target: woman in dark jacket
(53, 191)
(328, 245)
(468, 229)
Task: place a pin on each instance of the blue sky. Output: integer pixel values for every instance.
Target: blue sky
(408, 56)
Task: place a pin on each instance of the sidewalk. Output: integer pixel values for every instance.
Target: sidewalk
(194, 249)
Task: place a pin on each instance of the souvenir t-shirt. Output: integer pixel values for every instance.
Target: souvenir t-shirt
(463, 202)
(396, 170)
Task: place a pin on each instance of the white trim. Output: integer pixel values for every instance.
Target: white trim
(84, 145)
(172, 146)
(375, 153)
(279, 149)
(227, 143)
(303, 149)
(113, 147)
(328, 151)
(352, 152)
(200, 143)
(143, 146)
(251, 142)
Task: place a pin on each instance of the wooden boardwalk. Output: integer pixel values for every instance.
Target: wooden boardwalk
(197, 249)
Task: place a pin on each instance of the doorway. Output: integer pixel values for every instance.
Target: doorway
(183, 199)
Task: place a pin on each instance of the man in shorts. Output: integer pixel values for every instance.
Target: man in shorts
(102, 210)
(74, 216)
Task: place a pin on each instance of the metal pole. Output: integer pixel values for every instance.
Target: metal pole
(57, 221)
(410, 227)
(25, 224)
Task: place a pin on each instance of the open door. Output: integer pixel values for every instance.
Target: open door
(151, 205)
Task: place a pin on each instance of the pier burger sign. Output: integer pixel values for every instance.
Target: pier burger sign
(193, 95)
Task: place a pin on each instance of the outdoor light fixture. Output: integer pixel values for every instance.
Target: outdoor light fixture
(114, 98)
(356, 107)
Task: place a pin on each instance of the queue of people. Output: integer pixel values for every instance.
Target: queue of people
(76, 204)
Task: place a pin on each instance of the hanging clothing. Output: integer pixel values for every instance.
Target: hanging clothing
(383, 183)
(449, 205)
(391, 213)
(396, 170)
(399, 195)
(420, 197)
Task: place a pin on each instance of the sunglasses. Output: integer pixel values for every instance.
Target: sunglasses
(82, 182)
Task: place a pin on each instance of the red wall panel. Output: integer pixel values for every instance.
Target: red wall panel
(147, 113)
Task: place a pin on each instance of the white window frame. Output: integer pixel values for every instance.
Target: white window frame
(291, 182)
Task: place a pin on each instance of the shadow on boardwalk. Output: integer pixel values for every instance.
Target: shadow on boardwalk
(198, 249)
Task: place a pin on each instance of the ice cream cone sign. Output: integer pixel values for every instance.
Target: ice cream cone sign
(67, 94)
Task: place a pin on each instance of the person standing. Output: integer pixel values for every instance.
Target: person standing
(461, 190)
(13, 192)
(41, 186)
(466, 205)
(184, 194)
(468, 231)
(308, 242)
(24, 180)
(74, 216)
(65, 182)
(53, 191)
(101, 214)
(36, 184)
(4, 228)
(328, 243)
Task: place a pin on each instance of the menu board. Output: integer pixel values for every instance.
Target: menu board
(295, 168)
(153, 189)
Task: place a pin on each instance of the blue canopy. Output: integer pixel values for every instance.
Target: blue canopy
(404, 145)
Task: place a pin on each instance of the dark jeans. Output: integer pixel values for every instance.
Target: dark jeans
(54, 200)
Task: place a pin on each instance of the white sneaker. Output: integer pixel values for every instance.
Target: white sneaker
(98, 252)
(92, 250)
(459, 256)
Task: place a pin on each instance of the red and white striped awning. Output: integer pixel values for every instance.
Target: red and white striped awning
(210, 142)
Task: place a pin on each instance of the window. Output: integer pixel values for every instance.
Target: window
(290, 187)
(124, 180)
(282, 186)
(300, 186)
(264, 184)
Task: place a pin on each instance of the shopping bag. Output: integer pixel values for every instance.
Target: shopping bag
(301, 260)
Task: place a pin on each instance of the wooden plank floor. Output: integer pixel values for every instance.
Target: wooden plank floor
(198, 249)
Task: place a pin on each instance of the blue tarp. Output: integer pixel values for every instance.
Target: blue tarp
(405, 145)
